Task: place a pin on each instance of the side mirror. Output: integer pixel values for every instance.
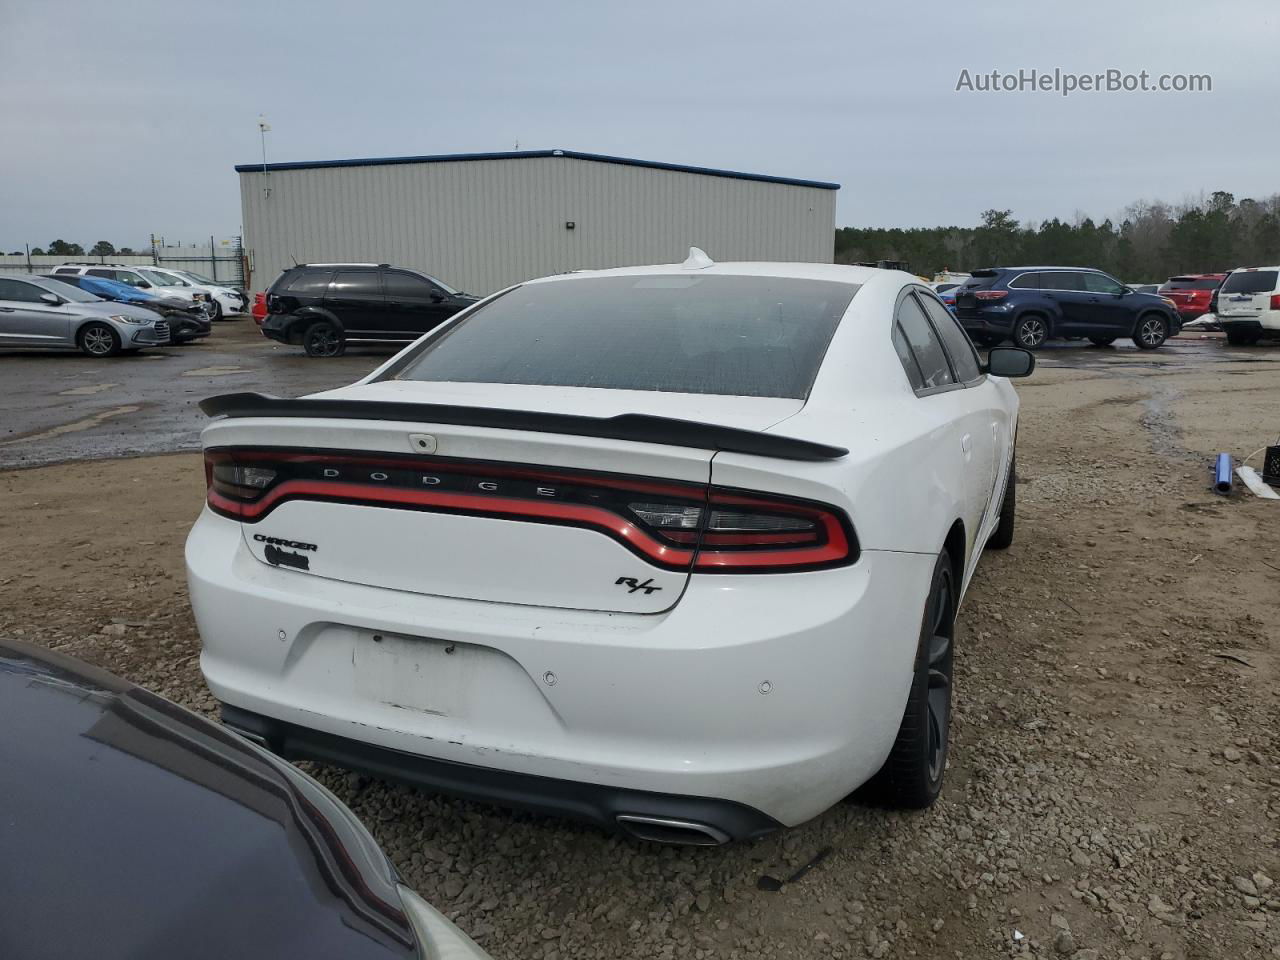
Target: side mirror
(1010, 362)
(143, 285)
(437, 296)
(51, 298)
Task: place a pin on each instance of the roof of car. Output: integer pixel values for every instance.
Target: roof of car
(529, 155)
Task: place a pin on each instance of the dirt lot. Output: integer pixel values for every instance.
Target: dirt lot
(1115, 780)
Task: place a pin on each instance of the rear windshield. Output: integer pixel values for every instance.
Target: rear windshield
(1250, 281)
(734, 336)
(1191, 283)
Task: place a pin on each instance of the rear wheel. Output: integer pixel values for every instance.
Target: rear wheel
(1102, 341)
(1152, 331)
(912, 776)
(323, 339)
(1031, 332)
(98, 340)
(1239, 337)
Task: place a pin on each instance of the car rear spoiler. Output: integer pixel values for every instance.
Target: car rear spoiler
(637, 427)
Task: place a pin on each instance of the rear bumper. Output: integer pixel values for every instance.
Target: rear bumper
(777, 693)
(1001, 325)
(702, 820)
(1268, 321)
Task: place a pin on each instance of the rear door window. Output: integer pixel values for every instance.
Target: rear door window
(964, 359)
(1250, 281)
(355, 285)
(907, 358)
(749, 336)
(935, 371)
(1061, 280)
(310, 283)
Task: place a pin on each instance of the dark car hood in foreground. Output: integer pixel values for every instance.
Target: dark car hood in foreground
(132, 828)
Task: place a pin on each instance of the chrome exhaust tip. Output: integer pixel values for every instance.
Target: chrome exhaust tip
(668, 830)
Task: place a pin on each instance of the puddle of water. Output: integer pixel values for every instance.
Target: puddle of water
(74, 427)
(87, 391)
(214, 371)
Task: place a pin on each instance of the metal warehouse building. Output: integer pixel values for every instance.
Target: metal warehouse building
(483, 221)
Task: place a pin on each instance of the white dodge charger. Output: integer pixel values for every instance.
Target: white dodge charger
(674, 549)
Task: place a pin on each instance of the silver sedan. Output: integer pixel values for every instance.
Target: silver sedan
(52, 315)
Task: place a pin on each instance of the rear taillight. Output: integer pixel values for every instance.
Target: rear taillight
(680, 526)
(1275, 301)
(990, 294)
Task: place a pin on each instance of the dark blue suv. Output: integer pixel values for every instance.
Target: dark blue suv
(1028, 305)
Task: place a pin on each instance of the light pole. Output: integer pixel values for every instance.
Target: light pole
(263, 127)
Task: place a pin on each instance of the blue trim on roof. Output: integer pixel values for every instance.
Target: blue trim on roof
(526, 154)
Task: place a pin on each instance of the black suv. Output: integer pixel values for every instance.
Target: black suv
(1031, 304)
(323, 306)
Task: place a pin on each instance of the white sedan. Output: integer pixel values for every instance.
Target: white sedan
(674, 549)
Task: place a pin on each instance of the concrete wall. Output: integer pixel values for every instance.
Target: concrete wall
(482, 224)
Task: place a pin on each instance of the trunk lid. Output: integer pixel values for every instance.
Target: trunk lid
(482, 513)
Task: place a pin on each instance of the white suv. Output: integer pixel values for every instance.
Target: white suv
(1249, 304)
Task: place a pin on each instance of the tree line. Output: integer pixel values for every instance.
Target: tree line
(1152, 241)
(60, 248)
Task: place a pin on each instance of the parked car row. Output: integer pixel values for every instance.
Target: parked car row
(103, 309)
(188, 320)
(223, 300)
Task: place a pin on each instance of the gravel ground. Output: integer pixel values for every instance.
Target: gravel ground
(1115, 763)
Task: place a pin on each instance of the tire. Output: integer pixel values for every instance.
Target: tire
(1102, 341)
(1151, 332)
(323, 339)
(1002, 536)
(1238, 337)
(1031, 332)
(217, 310)
(98, 340)
(912, 776)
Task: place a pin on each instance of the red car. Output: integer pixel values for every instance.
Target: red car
(259, 309)
(1192, 294)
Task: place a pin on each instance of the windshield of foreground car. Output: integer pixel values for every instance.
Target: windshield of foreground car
(68, 291)
(735, 336)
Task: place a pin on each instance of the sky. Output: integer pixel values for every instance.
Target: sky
(120, 120)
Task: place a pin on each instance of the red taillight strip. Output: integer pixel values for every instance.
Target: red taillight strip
(708, 551)
(597, 518)
(835, 550)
